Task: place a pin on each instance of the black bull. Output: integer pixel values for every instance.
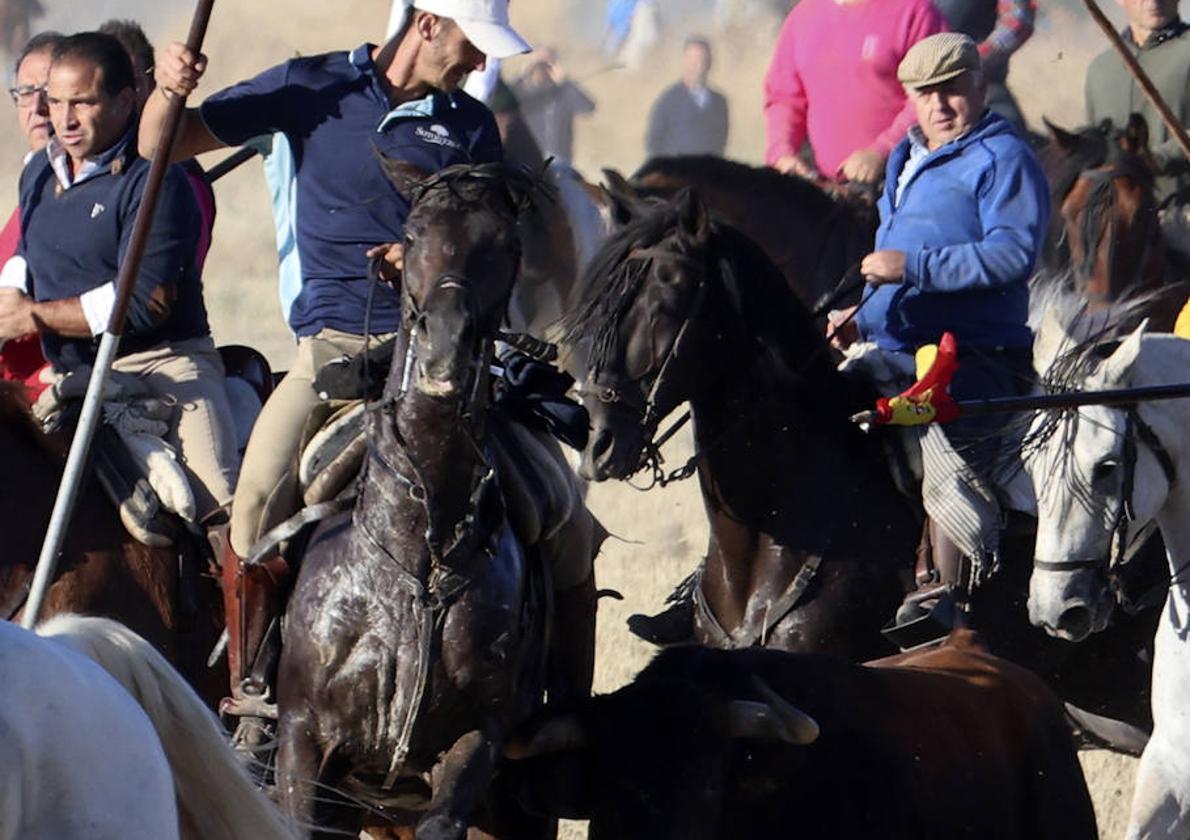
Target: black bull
(947, 743)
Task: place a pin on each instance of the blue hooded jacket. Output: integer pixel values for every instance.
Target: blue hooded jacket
(971, 221)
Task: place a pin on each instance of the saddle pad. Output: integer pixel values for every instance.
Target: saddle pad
(540, 490)
(326, 445)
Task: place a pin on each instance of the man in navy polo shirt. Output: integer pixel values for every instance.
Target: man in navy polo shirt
(78, 201)
(330, 115)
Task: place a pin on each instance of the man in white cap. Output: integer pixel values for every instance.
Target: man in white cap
(326, 117)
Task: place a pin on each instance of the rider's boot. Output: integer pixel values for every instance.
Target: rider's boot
(940, 593)
(252, 605)
(572, 644)
(675, 624)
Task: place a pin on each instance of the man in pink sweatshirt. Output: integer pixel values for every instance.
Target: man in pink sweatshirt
(833, 79)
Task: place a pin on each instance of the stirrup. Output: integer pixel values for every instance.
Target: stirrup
(919, 622)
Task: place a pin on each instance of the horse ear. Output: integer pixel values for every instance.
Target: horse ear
(1135, 137)
(1115, 369)
(623, 202)
(693, 220)
(404, 176)
(1051, 340)
(1066, 141)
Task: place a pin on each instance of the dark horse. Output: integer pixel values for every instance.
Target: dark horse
(415, 636)
(814, 232)
(681, 308)
(101, 570)
(1104, 227)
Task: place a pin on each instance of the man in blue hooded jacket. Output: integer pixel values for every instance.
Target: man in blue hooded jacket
(963, 216)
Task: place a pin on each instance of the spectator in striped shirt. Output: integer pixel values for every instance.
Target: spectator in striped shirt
(1000, 28)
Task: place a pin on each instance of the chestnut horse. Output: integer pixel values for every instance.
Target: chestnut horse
(102, 570)
(1105, 229)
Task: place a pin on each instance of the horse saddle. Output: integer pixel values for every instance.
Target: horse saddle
(541, 493)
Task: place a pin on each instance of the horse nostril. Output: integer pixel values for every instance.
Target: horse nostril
(1076, 622)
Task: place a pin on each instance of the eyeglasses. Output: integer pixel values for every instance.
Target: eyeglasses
(26, 94)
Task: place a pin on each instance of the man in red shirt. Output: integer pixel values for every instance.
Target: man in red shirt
(21, 359)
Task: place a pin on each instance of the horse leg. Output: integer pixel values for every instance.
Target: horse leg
(298, 768)
(461, 779)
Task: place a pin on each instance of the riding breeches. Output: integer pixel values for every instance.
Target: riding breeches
(190, 374)
(267, 493)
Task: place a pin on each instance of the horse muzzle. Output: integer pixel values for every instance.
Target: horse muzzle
(1070, 605)
(614, 449)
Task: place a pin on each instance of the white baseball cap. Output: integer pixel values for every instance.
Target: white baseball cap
(484, 22)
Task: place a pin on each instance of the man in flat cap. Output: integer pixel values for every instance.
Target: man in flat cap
(963, 216)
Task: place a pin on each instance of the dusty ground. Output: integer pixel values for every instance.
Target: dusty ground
(660, 534)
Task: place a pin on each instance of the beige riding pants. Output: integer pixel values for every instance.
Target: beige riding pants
(190, 373)
(268, 493)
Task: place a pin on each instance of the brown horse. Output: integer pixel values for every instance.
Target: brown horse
(415, 635)
(810, 541)
(1105, 229)
(102, 571)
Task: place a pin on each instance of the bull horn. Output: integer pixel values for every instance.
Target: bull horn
(558, 734)
(774, 719)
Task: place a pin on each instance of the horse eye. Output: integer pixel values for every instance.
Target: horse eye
(1104, 470)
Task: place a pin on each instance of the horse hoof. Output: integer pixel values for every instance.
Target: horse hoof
(440, 827)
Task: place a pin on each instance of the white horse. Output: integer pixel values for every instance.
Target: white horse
(101, 739)
(1101, 475)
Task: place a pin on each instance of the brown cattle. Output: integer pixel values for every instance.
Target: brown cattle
(945, 743)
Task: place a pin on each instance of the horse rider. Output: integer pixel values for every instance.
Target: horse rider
(832, 80)
(1000, 27)
(333, 114)
(1159, 40)
(78, 201)
(21, 359)
(963, 216)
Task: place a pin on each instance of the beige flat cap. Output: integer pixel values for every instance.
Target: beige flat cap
(937, 59)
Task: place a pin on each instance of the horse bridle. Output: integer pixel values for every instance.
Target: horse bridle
(1102, 181)
(649, 414)
(1135, 430)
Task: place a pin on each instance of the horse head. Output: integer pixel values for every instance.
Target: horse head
(461, 261)
(647, 322)
(1107, 207)
(1100, 475)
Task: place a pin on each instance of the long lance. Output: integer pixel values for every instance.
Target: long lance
(1142, 78)
(1047, 402)
(80, 446)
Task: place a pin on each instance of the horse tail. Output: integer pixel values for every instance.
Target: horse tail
(215, 796)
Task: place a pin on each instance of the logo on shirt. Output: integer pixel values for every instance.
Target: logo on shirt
(96, 210)
(437, 134)
(868, 50)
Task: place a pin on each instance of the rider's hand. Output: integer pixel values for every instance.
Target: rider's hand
(794, 165)
(864, 166)
(16, 314)
(880, 267)
(841, 328)
(178, 70)
(393, 262)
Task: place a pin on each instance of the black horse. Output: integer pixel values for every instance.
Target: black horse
(416, 632)
(811, 543)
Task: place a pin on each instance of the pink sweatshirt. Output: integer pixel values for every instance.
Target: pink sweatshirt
(833, 77)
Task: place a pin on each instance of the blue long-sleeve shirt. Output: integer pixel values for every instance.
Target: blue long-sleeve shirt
(971, 220)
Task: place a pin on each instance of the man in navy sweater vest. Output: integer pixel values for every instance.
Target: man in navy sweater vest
(78, 201)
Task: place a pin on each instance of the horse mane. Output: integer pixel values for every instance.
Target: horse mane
(470, 184)
(759, 179)
(785, 337)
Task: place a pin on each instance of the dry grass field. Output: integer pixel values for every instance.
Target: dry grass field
(659, 535)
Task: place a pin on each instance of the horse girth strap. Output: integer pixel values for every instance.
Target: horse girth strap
(775, 612)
